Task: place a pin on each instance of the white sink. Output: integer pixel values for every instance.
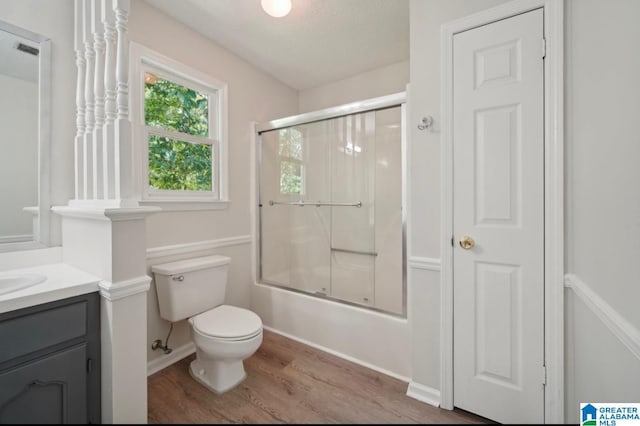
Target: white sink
(13, 281)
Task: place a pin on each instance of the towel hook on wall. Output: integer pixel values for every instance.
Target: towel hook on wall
(426, 122)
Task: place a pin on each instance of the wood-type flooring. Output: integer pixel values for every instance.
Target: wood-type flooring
(289, 382)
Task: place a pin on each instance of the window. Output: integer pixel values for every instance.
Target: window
(291, 162)
(181, 130)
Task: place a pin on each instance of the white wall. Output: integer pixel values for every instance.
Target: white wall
(426, 17)
(19, 159)
(252, 96)
(603, 107)
(378, 82)
(603, 231)
(599, 367)
(54, 19)
(602, 208)
(603, 196)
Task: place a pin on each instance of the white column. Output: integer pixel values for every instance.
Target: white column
(110, 243)
(124, 353)
(121, 11)
(80, 107)
(124, 153)
(124, 322)
(109, 22)
(97, 29)
(90, 55)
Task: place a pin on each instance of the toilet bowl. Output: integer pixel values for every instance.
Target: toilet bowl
(224, 335)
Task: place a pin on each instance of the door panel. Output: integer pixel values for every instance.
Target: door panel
(498, 320)
(498, 149)
(497, 171)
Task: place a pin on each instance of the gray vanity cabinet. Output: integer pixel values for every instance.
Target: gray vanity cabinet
(50, 362)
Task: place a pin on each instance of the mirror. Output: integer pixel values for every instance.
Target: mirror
(24, 141)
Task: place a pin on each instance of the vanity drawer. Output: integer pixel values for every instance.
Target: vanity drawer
(39, 328)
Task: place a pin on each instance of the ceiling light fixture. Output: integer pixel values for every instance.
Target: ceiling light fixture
(276, 8)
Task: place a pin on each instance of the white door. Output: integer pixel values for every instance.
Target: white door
(498, 155)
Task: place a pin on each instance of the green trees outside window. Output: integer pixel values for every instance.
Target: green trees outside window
(291, 161)
(176, 164)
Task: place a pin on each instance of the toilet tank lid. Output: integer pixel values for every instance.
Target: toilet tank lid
(188, 265)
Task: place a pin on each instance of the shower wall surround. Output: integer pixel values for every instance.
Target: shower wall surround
(332, 209)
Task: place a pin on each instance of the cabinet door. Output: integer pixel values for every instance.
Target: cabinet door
(52, 389)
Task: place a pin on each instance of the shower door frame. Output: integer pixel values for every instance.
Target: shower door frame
(369, 105)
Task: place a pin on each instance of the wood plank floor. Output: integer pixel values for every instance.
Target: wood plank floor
(289, 382)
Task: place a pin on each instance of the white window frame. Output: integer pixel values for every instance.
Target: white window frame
(144, 60)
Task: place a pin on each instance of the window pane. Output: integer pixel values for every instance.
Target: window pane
(290, 143)
(176, 165)
(290, 177)
(175, 107)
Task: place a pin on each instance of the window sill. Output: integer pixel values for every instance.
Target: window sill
(180, 206)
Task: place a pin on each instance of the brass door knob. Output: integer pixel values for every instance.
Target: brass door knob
(467, 242)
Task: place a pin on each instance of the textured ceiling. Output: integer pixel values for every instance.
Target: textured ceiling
(319, 42)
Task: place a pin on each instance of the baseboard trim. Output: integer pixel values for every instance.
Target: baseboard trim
(427, 263)
(176, 355)
(626, 332)
(177, 249)
(339, 354)
(424, 393)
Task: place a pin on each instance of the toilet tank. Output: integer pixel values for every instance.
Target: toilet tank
(188, 287)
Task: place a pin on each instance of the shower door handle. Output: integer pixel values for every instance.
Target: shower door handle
(357, 204)
(365, 253)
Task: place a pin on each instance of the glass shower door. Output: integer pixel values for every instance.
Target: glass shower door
(331, 209)
(295, 243)
(352, 140)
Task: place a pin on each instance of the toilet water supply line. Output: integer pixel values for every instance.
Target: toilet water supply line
(157, 344)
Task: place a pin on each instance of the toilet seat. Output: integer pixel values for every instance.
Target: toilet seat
(228, 323)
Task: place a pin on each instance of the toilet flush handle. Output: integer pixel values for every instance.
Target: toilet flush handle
(178, 278)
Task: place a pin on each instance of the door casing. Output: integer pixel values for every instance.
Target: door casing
(553, 188)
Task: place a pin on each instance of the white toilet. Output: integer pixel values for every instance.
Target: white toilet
(224, 335)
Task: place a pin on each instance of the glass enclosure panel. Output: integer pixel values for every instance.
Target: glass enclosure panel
(296, 240)
(389, 289)
(353, 232)
(331, 209)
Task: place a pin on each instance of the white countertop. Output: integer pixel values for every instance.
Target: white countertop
(62, 281)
